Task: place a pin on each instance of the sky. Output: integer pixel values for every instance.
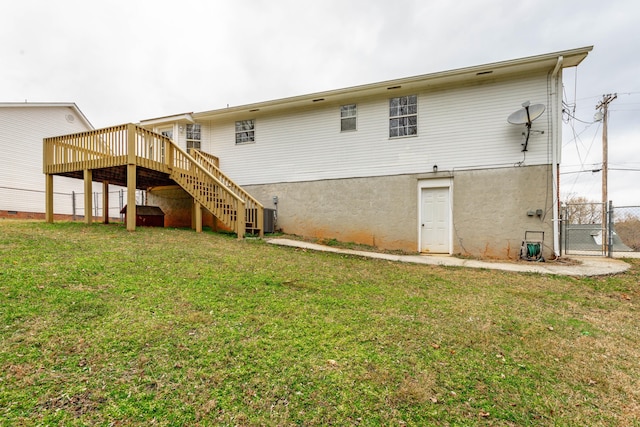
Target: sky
(124, 61)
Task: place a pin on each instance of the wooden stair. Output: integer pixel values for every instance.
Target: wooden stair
(254, 211)
(116, 154)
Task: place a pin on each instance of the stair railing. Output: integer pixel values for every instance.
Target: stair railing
(208, 190)
(254, 209)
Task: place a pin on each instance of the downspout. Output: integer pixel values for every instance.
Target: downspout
(555, 147)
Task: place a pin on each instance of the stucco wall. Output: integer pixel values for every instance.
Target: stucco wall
(491, 206)
(489, 209)
(374, 211)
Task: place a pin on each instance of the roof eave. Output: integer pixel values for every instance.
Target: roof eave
(175, 118)
(570, 58)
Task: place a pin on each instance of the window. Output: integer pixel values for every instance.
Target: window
(193, 136)
(245, 131)
(403, 116)
(348, 117)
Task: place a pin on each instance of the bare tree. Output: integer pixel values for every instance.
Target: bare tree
(580, 210)
(628, 229)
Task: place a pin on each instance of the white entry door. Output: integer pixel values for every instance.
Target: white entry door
(435, 221)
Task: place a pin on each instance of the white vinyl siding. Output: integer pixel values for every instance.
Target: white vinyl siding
(458, 128)
(21, 179)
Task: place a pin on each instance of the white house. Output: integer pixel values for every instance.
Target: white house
(22, 129)
(426, 163)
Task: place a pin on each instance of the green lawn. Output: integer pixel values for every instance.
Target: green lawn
(168, 327)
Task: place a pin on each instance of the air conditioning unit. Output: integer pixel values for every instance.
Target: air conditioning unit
(270, 217)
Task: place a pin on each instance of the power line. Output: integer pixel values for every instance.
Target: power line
(577, 119)
(582, 171)
(600, 170)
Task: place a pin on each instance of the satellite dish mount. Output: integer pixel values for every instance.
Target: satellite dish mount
(525, 116)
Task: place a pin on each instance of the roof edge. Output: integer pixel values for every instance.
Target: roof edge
(571, 58)
(71, 105)
(173, 118)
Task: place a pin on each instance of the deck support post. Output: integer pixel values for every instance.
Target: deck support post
(88, 211)
(48, 209)
(131, 197)
(197, 207)
(260, 213)
(105, 202)
(241, 220)
(131, 177)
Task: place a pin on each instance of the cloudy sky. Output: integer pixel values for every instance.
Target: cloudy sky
(126, 60)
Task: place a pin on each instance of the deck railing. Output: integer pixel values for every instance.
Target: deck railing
(131, 144)
(254, 209)
(108, 147)
(85, 150)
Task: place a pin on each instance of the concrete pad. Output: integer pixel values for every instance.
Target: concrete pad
(585, 266)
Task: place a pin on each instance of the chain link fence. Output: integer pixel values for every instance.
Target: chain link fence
(585, 233)
(119, 197)
(65, 203)
(626, 226)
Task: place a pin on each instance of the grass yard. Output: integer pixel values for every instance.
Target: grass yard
(169, 327)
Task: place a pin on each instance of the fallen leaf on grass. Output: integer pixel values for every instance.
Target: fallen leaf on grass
(484, 414)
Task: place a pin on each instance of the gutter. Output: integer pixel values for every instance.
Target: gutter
(570, 58)
(555, 144)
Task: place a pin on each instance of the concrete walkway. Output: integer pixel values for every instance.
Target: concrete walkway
(582, 266)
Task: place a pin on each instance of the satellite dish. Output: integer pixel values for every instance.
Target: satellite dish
(525, 116)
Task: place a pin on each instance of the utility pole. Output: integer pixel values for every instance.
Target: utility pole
(603, 107)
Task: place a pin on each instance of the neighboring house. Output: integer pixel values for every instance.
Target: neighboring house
(426, 163)
(22, 128)
(588, 237)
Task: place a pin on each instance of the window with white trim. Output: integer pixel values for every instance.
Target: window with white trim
(403, 116)
(194, 136)
(167, 132)
(348, 114)
(245, 131)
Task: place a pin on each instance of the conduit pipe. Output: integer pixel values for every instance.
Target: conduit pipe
(555, 144)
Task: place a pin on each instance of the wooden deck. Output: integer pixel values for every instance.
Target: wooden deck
(136, 158)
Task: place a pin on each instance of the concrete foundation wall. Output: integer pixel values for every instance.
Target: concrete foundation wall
(492, 209)
(56, 217)
(489, 209)
(177, 206)
(374, 211)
